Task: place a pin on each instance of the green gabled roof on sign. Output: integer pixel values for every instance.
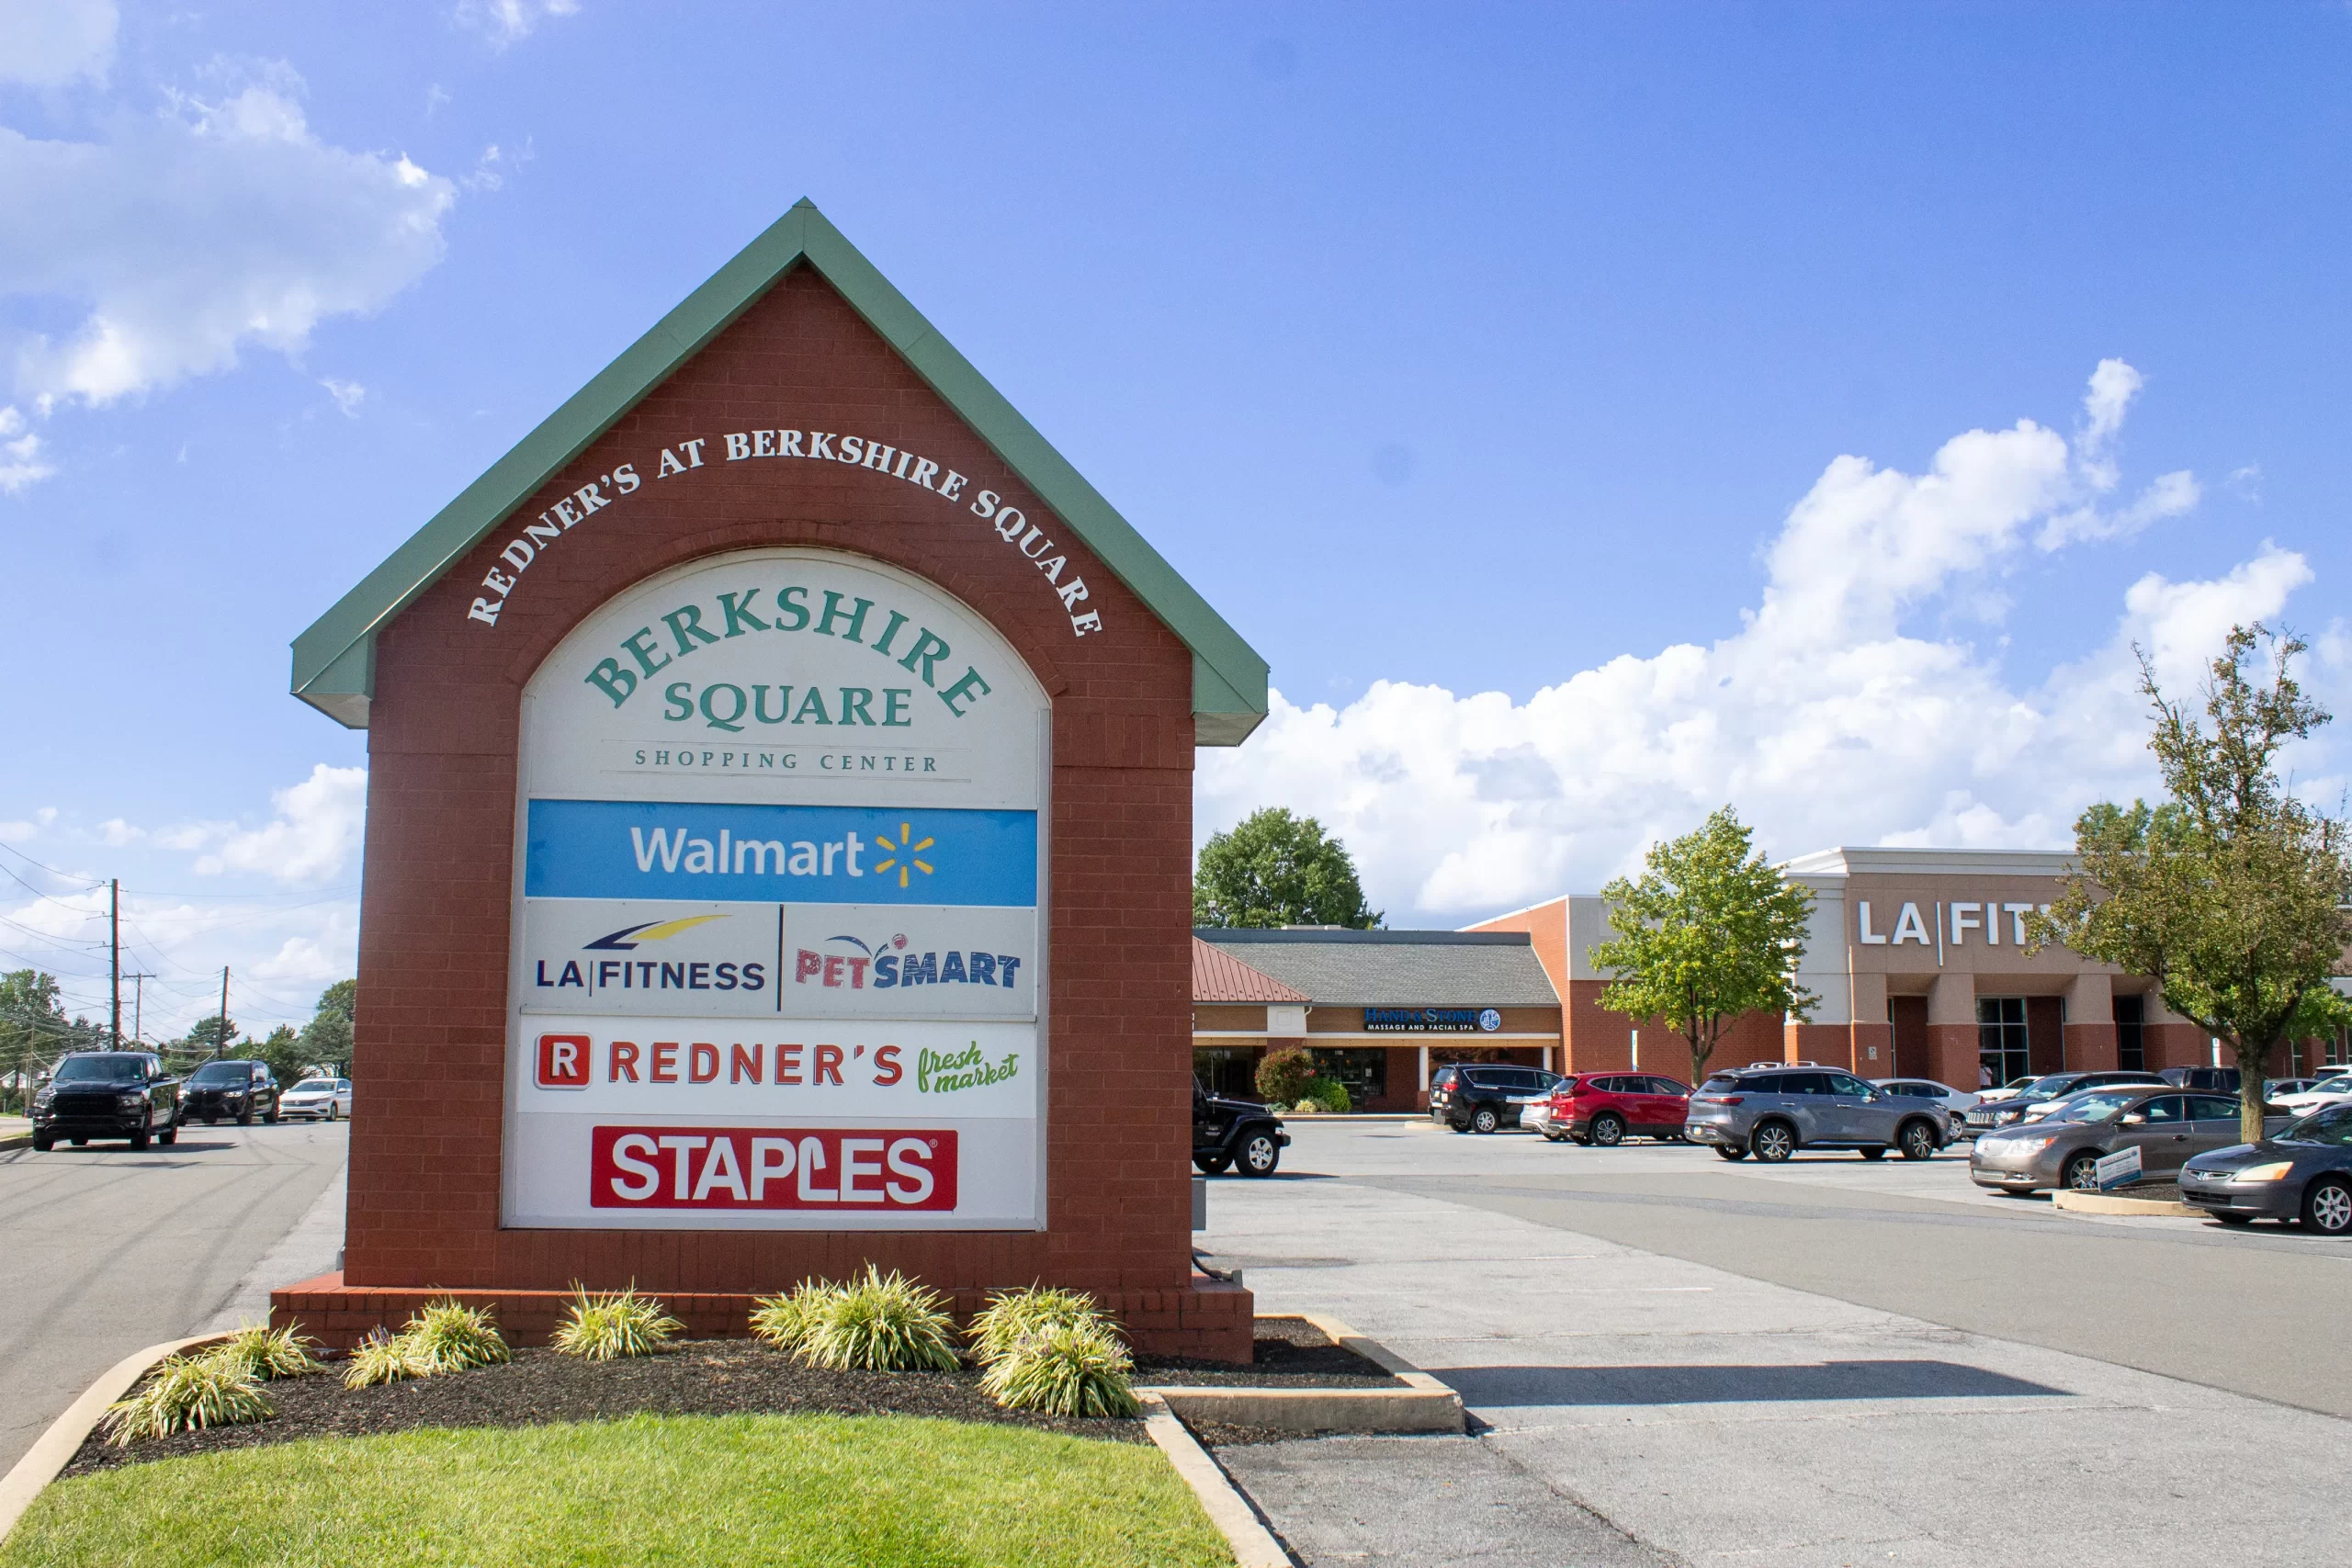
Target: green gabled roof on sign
(334, 660)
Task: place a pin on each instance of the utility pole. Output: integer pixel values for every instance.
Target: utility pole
(221, 1037)
(138, 1004)
(114, 926)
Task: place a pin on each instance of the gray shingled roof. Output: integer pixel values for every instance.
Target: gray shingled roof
(1394, 968)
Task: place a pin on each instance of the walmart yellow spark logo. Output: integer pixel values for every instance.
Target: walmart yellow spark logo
(907, 846)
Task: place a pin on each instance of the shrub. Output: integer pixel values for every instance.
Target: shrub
(614, 1323)
(881, 1322)
(1064, 1368)
(188, 1392)
(1012, 1315)
(266, 1355)
(449, 1338)
(1285, 1076)
(1331, 1095)
(383, 1357)
(786, 1320)
(1308, 1108)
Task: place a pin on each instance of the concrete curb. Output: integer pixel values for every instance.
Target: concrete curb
(55, 1449)
(2102, 1204)
(1423, 1404)
(24, 1141)
(1254, 1546)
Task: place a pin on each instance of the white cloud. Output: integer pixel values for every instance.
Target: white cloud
(25, 832)
(489, 173)
(21, 464)
(347, 396)
(505, 22)
(1821, 720)
(51, 43)
(317, 827)
(195, 230)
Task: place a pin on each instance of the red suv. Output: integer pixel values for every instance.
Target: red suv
(1609, 1108)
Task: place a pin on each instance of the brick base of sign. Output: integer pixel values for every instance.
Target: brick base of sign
(1208, 1318)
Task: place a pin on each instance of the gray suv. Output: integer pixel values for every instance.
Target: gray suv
(1773, 1108)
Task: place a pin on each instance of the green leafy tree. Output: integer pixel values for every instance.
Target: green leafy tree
(2230, 892)
(1710, 931)
(327, 1037)
(1278, 870)
(283, 1051)
(33, 1031)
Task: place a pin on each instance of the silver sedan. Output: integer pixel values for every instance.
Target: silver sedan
(2061, 1149)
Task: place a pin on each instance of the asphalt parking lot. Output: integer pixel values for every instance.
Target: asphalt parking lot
(1829, 1361)
(106, 1251)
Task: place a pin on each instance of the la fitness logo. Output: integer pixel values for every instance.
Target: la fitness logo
(594, 973)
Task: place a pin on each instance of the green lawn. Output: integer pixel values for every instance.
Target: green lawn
(880, 1491)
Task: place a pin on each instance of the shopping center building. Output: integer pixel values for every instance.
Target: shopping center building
(1379, 1009)
(1917, 958)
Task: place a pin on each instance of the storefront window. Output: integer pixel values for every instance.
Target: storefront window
(1366, 1073)
(2130, 1037)
(2001, 1039)
(1229, 1071)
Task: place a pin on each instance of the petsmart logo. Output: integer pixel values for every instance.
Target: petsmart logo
(611, 849)
(888, 964)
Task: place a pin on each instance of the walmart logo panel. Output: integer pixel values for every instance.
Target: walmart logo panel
(657, 957)
(616, 849)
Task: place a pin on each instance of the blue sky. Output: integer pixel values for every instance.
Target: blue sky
(1490, 368)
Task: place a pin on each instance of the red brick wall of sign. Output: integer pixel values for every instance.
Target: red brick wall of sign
(433, 946)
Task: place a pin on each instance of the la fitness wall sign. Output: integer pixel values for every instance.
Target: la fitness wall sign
(1009, 523)
(778, 958)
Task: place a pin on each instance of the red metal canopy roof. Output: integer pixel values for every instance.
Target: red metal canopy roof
(1218, 976)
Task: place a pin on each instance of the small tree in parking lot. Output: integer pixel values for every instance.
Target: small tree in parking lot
(2230, 892)
(1709, 931)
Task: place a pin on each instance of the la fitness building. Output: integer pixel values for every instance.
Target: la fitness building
(778, 844)
(1918, 957)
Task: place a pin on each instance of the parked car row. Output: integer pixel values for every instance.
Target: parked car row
(133, 1095)
(2301, 1170)
(1768, 1109)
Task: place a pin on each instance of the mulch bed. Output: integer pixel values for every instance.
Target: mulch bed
(709, 1377)
(1290, 1353)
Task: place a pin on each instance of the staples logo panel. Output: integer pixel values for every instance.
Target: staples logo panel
(825, 1169)
(648, 958)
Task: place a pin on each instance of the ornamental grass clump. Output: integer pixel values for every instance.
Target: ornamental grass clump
(186, 1393)
(613, 1323)
(785, 1321)
(1064, 1368)
(268, 1354)
(449, 1337)
(880, 1322)
(382, 1359)
(1012, 1315)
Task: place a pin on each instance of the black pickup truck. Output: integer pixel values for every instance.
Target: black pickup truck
(1239, 1135)
(107, 1094)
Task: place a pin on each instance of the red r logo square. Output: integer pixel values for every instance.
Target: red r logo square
(563, 1061)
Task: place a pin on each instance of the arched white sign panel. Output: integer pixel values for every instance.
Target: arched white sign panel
(778, 963)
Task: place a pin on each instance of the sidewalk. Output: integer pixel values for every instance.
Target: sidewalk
(1644, 1409)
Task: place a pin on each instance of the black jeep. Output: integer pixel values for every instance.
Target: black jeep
(1237, 1134)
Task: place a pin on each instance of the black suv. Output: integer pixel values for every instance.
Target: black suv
(231, 1086)
(1240, 1134)
(1479, 1097)
(107, 1094)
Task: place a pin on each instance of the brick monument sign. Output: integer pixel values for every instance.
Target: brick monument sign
(778, 854)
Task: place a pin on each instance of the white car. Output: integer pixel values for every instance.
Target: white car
(319, 1100)
(1957, 1103)
(2336, 1090)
